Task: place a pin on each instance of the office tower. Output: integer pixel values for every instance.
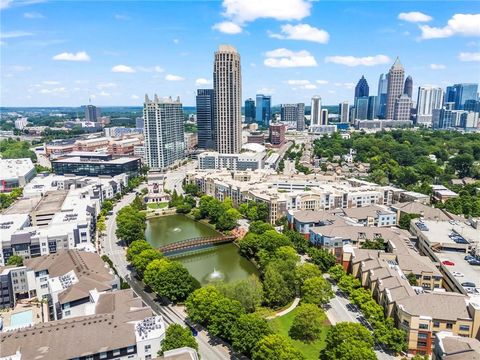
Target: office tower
(382, 96)
(472, 105)
(316, 111)
(277, 134)
(428, 99)
(362, 88)
(324, 116)
(361, 108)
(139, 123)
(92, 113)
(395, 87)
(227, 85)
(344, 111)
(408, 87)
(403, 106)
(205, 100)
(450, 94)
(372, 107)
(163, 130)
(447, 119)
(293, 114)
(460, 93)
(263, 110)
(249, 111)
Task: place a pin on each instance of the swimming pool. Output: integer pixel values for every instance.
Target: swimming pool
(21, 319)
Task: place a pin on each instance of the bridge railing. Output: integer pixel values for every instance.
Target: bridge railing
(195, 242)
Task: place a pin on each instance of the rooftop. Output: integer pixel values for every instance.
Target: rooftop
(425, 211)
(52, 201)
(14, 168)
(450, 232)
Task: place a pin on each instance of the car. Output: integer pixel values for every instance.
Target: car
(448, 263)
(457, 274)
(468, 257)
(468, 284)
(474, 262)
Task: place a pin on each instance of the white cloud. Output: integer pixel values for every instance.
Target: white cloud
(228, 27)
(106, 85)
(414, 16)
(50, 82)
(469, 56)
(322, 82)
(202, 81)
(33, 15)
(21, 68)
(66, 56)
(171, 77)
(123, 69)
(345, 85)
(121, 17)
(104, 93)
(5, 4)
(134, 97)
(284, 58)
(302, 32)
(176, 41)
(459, 24)
(358, 61)
(14, 34)
(156, 69)
(298, 82)
(266, 91)
(58, 90)
(310, 86)
(437, 66)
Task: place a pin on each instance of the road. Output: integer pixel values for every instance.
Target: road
(174, 178)
(207, 347)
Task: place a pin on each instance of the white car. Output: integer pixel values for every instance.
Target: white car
(457, 274)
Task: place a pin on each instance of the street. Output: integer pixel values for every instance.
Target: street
(174, 178)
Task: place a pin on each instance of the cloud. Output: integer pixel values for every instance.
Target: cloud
(469, 56)
(134, 97)
(106, 85)
(156, 69)
(21, 68)
(414, 16)
(50, 82)
(54, 91)
(5, 4)
(459, 24)
(228, 27)
(266, 91)
(104, 93)
(437, 66)
(284, 58)
(33, 15)
(15, 34)
(358, 61)
(298, 82)
(302, 32)
(322, 82)
(171, 77)
(123, 69)
(348, 85)
(202, 81)
(176, 41)
(66, 56)
(121, 17)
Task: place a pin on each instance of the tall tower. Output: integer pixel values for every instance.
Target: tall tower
(382, 96)
(205, 118)
(316, 111)
(163, 131)
(263, 109)
(227, 85)
(344, 111)
(362, 88)
(429, 99)
(395, 87)
(249, 111)
(408, 88)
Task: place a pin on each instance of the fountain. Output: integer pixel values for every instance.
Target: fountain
(215, 276)
(177, 229)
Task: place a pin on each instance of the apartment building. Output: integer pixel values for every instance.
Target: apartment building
(453, 347)
(99, 144)
(15, 173)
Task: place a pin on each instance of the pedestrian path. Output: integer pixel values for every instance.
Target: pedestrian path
(295, 303)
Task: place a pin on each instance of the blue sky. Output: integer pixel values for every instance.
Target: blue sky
(61, 53)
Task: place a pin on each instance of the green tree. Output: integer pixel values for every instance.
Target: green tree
(376, 244)
(224, 317)
(130, 224)
(298, 240)
(136, 247)
(259, 227)
(249, 245)
(249, 292)
(15, 260)
(412, 279)
(321, 257)
(348, 333)
(248, 330)
(141, 261)
(306, 271)
(199, 304)
(307, 323)
(228, 220)
(271, 240)
(316, 291)
(336, 272)
(101, 226)
(404, 222)
(462, 164)
(176, 337)
(348, 283)
(276, 290)
(275, 347)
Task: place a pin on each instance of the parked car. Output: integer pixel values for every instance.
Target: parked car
(468, 257)
(474, 262)
(457, 274)
(448, 263)
(468, 284)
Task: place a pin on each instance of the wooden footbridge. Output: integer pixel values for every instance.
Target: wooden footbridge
(194, 244)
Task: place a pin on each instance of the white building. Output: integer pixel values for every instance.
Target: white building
(21, 123)
(15, 173)
(429, 99)
(316, 111)
(344, 112)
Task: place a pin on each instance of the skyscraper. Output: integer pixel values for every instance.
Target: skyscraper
(92, 113)
(344, 111)
(316, 111)
(428, 99)
(293, 114)
(324, 116)
(163, 131)
(460, 93)
(395, 87)
(372, 107)
(206, 118)
(403, 106)
(227, 85)
(362, 88)
(249, 111)
(382, 96)
(408, 87)
(263, 109)
(361, 108)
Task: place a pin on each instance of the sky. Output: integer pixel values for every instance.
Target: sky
(63, 53)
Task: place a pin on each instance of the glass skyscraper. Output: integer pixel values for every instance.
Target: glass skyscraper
(362, 88)
(263, 109)
(249, 111)
(382, 96)
(206, 118)
(361, 108)
(460, 93)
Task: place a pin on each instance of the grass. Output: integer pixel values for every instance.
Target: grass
(282, 324)
(160, 205)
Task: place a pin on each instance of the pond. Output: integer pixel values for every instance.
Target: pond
(220, 262)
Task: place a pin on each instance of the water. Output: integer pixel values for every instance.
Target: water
(218, 263)
(21, 319)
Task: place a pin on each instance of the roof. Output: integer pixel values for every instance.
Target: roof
(15, 168)
(367, 211)
(459, 348)
(52, 201)
(308, 216)
(427, 212)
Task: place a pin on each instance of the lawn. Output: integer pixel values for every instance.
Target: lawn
(160, 205)
(282, 325)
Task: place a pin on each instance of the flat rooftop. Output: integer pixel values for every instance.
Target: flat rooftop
(450, 232)
(23, 206)
(79, 160)
(471, 273)
(14, 168)
(52, 201)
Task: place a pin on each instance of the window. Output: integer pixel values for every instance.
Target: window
(147, 348)
(422, 336)
(449, 325)
(464, 327)
(427, 278)
(421, 343)
(103, 355)
(406, 323)
(116, 352)
(44, 286)
(148, 357)
(130, 349)
(423, 326)
(436, 323)
(67, 313)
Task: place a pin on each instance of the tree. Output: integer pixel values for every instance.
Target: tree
(348, 283)
(271, 240)
(321, 257)
(462, 164)
(225, 313)
(404, 222)
(15, 260)
(130, 224)
(249, 292)
(199, 304)
(276, 290)
(101, 227)
(228, 220)
(259, 227)
(352, 350)
(275, 347)
(176, 337)
(307, 323)
(298, 240)
(141, 261)
(388, 335)
(348, 341)
(249, 245)
(376, 244)
(136, 247)
(306, 271)
(336, 272)
(412, 279)
(170, 279)
(248, 330)
(316, 290)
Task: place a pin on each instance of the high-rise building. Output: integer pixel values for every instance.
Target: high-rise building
(139, 123)
(263, 109)
(472, 105)
(92, 113)
(361, 108)
(249, 111)
(344, 111)
(163, 130)
(429, 99)
(403, 107)
(446, 119)
(450, 94)
(460, 93)
(206, 118)
(277, 134)
(362, 88)
(395, 87)
(372, 107)
(382, 96)
(324, 116)
(227, 85)
(408, 87)
(293, 114)
(316, 111)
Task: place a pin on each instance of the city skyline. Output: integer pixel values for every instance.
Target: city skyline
(291, 51)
